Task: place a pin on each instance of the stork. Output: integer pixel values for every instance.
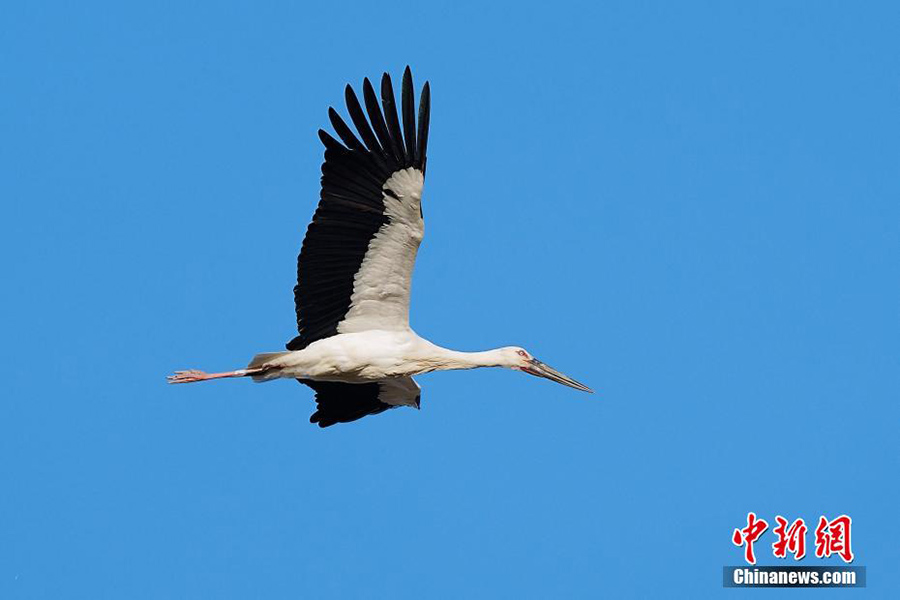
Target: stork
(355, 347)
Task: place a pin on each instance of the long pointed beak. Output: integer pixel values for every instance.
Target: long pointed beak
(541, 370)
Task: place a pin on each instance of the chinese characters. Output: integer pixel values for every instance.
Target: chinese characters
(831, 537)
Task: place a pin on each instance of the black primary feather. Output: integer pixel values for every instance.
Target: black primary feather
(409, 117)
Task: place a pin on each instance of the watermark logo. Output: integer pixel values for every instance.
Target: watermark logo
(831, 537)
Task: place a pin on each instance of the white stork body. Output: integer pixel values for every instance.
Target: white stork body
(372, 355)
(354, 272)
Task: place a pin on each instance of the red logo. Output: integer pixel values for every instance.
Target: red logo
(832, 537)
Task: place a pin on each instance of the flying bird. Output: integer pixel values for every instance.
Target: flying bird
(355, 347)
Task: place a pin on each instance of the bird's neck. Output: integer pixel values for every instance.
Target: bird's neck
(446, 359)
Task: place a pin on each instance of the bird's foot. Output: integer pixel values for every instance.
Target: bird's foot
(187, 376)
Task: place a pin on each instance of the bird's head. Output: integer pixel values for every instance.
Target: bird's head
(520, 360)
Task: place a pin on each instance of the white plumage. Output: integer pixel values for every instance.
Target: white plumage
(382, 285)
(373, 355)
(355, 348)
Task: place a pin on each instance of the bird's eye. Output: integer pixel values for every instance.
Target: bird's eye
(522, 353)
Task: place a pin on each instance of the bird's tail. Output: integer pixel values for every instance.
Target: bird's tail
(261, 361)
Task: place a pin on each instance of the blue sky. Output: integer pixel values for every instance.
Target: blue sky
(693, 209)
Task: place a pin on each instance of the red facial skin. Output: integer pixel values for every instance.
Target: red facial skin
(524, 354)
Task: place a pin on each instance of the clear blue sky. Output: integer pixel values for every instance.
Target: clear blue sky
(693, 209)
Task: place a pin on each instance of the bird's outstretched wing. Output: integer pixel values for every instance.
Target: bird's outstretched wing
(345, 402)
(355, 267)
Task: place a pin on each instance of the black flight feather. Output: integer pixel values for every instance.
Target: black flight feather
(409, 116)
(393, 122)
(424, 116)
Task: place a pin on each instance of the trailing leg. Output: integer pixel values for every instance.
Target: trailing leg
(193, 375)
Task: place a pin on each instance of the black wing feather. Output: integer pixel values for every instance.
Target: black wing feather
(359, 121)
(346, 402)
(378, 124)
(424, 116)
(390, 116)
(409, 118)
(344, 132)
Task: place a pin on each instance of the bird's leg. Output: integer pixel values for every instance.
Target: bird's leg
(194, 375)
